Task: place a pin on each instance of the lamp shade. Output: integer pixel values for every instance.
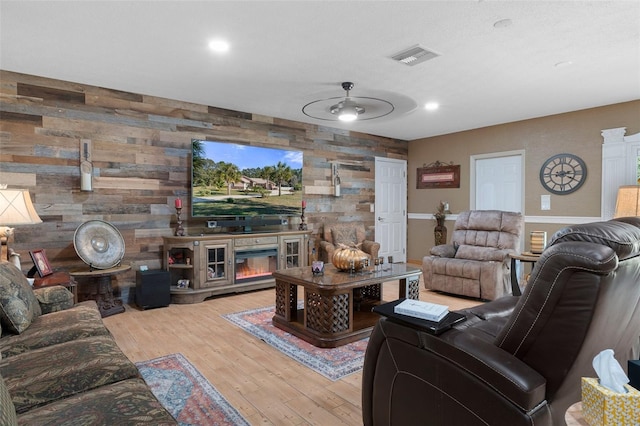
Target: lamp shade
(16, 208)
(628, 202)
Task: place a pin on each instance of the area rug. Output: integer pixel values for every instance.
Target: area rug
(332, 363)
(186, 393)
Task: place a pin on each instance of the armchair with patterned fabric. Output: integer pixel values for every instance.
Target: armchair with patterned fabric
(350, 234)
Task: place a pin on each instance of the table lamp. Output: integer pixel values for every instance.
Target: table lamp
(628, 202)
(15, 209)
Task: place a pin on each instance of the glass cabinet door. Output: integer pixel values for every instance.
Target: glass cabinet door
(217, 264)
(291, 252)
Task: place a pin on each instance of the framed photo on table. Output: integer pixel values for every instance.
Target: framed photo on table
(40, 262)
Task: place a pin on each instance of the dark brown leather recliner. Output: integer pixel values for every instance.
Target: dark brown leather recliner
(516, 360)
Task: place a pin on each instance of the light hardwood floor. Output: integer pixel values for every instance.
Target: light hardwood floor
(264, 385)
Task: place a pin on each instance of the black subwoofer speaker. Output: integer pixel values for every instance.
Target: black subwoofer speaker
(153, 289)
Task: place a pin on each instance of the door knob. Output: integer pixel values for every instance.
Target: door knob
(380, 219)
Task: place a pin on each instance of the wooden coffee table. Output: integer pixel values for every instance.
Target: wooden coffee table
(337, 305)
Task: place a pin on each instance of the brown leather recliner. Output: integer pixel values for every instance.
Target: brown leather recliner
(516, 360)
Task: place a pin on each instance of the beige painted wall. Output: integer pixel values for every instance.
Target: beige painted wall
(575, 132)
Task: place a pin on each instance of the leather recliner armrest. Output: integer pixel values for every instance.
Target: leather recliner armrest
(484, 361)
(502, 307)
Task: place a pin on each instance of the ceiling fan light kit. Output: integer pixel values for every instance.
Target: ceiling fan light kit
(349, 108)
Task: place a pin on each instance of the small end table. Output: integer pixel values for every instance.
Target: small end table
(99, 289)
(522, 257)
(574, 417)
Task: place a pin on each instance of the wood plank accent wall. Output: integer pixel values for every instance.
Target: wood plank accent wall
(141, 149)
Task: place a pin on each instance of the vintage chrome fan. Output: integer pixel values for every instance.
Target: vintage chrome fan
(99, 244)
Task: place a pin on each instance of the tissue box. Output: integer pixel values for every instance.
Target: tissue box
(601, 406)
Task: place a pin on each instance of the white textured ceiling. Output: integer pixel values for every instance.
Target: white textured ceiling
(286, 54)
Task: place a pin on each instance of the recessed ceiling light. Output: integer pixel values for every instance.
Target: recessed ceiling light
(219, 46)
(431, 106)
(563, 64)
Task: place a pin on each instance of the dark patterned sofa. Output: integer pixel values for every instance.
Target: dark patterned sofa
(59, 364)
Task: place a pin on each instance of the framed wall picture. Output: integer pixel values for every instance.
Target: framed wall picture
(438, 176)
(41, 262)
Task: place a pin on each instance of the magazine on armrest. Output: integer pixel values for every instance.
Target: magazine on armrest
(420, 309)
(432, 327)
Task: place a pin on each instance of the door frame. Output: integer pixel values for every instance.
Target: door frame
(472, 173)
(403, 197)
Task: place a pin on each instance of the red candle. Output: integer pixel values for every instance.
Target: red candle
(304, 204)
(178, 203)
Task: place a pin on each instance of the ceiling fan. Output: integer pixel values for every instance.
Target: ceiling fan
(348, 108)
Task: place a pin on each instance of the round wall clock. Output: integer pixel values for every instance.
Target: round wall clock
(563, 174)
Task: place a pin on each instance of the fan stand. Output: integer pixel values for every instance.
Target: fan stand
(95, 284)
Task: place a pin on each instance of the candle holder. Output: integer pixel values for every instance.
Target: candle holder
(179, 228)
(303, 222)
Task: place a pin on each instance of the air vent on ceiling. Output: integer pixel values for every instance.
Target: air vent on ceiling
(414, 55)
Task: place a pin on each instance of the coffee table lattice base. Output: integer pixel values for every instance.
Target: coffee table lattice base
(414, 289)
(327, 314)
(282, 301)
(372, 292)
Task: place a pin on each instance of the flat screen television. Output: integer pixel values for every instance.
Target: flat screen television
(231, 181)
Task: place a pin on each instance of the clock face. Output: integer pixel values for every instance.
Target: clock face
(563, 173)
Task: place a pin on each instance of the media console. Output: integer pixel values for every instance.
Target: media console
(202, 266)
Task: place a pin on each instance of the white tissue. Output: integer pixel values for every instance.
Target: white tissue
(610, 372)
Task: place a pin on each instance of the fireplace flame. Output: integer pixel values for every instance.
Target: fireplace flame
(255, 264)
(244, 271)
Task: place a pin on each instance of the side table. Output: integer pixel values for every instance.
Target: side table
(58, 278)
(522, 257)
(97, 286)
(573, 416)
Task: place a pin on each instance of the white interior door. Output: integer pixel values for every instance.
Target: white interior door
(498, 182)
(391, 208)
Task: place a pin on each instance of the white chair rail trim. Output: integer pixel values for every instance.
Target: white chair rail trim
(574, 220)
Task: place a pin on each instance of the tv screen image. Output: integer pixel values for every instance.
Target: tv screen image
(231, 180)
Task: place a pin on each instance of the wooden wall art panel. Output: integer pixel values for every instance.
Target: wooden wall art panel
(140, 148)
(438, 176)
